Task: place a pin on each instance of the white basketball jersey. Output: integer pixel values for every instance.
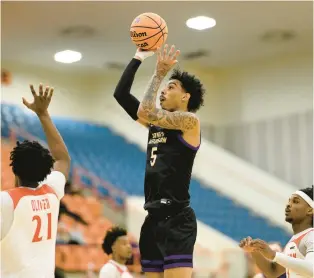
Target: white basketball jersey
(28, 248)
(113, 269)
(297, 247)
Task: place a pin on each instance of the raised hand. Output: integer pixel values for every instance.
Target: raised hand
(166, 60)
(246, 244)
(41, 101)
(263, 247)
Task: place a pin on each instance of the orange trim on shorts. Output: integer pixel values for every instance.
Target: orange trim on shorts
(18, 193)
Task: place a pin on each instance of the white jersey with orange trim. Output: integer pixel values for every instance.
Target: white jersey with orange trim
(112, 269)
(29, 219)
(299, 246)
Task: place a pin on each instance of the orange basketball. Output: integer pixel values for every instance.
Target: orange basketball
(149, 31)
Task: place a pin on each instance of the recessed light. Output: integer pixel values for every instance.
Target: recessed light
(68, 56)
(200, 22)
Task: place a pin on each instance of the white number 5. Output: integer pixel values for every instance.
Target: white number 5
(153, 156)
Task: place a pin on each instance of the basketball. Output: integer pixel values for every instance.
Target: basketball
(149, 31)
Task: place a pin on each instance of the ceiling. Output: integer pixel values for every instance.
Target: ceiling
(32, 31)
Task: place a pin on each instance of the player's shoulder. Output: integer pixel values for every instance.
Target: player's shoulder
(309, 236)
(191, 123)
(56, 180)
(108, 268)
(55, 176)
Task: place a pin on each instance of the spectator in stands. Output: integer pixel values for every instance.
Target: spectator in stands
(64, 210)
(117, 245)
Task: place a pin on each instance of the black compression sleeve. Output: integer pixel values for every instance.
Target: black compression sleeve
(122, 92)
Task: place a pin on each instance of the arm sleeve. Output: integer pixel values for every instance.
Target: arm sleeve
(122, 92)
(300, 266)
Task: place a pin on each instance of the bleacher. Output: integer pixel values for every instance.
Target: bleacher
(109, 156)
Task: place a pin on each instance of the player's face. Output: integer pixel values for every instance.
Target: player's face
(297, 210)
(173, 96)
(122, 247)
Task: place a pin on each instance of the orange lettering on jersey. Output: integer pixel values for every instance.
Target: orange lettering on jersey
(294, 255)
(48, 205)
(42, 204)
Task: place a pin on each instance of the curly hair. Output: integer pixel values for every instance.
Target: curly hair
(191, 85)
(111, 236)
(31, 162)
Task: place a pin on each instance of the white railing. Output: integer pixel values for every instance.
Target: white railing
(281, 146)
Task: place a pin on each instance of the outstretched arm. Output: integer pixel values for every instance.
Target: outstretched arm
(122, 92)
(55, 141)
(148, 110)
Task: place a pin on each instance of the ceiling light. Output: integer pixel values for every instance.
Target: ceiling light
(200, 22)
(68, 56)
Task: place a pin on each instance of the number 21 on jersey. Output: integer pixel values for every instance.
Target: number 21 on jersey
(153, 156)
(38, 236)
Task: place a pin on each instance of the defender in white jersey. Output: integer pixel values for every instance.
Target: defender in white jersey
(29, 212)
(117, 245)
(297, 260)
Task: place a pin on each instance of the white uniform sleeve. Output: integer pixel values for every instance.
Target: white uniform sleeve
(303, 267)
(57, 181)
(6, 213)
(107, 271)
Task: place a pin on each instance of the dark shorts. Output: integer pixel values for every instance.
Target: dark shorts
(168, 242)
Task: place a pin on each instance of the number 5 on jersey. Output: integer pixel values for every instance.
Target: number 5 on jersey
(153, 156)
(37, 235)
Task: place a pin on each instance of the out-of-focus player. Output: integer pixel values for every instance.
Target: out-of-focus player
(297, 260)
(116, 243)
(29, 212)
(169, 231)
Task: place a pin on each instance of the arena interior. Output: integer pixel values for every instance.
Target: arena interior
(257, 122)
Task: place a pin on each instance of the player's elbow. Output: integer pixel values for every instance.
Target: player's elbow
(117, 97)
(141, 113)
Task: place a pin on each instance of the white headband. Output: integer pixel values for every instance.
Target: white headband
(306, 198)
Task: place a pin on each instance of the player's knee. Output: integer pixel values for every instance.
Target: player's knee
(182, 272)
